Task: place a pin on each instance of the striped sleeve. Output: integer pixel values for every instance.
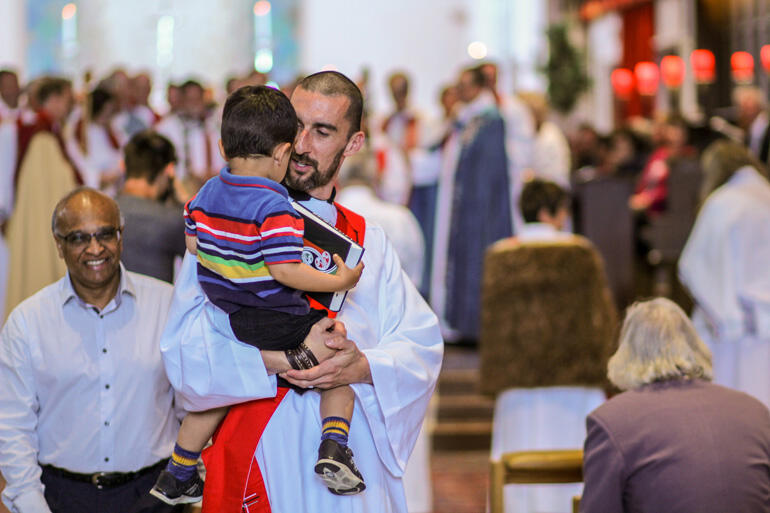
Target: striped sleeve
(282, 237)
(189, 222)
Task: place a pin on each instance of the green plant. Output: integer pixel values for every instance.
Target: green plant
(565, 69)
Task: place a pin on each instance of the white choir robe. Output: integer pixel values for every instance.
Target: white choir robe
(551, 155)
(202, 144)
(101, 157)
(519, 146)
(396, 330)
(726, 266)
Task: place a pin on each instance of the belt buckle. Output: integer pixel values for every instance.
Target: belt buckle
(96, 479)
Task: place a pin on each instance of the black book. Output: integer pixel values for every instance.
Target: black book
(323, 240)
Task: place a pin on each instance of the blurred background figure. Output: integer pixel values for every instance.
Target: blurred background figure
(725, 267)
(9, 95)
(93, 145)
(751, 107)
(153, 237)
(356, 183)
(550, 153)
(194, 136)
(44, 174)
(473, 209)
(673, 441)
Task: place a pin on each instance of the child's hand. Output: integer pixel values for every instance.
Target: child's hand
(348, 277)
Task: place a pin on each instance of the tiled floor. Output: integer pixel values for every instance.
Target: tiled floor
(460, 480)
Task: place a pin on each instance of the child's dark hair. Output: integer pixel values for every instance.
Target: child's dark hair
(541, 194)
(255, 120)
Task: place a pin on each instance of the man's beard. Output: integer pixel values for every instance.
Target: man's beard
(316, 178)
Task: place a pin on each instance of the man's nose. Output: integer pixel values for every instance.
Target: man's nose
(94, 246)
(300, 142)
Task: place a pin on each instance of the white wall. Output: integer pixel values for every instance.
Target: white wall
(13, 35)
(426, 38)
(212, 39)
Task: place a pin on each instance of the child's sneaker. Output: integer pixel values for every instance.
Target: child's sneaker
(173, 491)
(336, 468)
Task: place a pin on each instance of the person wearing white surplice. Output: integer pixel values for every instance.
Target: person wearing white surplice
(193, 136)
(725, 266)
(390, 355)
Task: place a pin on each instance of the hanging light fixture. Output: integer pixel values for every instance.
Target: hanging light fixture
(742, 64)
(622, 81)
(703, 66)
(647, 77)
(764, 57)
(672, 71)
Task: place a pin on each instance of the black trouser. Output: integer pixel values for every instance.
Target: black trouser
(65, 495)
(272, 330)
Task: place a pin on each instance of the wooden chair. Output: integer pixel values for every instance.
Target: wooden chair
(547, 316)
(3, 509)
(533, 467)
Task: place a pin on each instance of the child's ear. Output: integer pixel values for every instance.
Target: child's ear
(222, 149)
(281, 152)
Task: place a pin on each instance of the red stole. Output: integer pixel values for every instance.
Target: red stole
(26, 132)
(234, 482)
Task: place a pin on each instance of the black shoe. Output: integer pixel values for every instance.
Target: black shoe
(172, 491)
(336, 468)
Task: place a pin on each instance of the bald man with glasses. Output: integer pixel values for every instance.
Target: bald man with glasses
(87, 417)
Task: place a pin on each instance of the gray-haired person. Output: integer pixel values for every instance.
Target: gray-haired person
(673, 441)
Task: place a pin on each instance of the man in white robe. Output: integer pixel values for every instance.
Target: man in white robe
(725, 266)
(391, 356)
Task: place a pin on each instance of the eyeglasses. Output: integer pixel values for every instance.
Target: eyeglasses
(81, 239)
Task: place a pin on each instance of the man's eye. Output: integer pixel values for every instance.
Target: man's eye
(322, 133)
(78, 238)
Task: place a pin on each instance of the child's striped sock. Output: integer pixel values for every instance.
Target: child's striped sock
(183, 463)
(337, 429)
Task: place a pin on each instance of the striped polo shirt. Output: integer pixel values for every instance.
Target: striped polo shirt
(242, 224)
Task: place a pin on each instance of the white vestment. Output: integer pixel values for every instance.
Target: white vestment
(551, 155)
(519, 145)
(726, 266)
(398, 333)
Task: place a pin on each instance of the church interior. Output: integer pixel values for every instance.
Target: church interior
(577, 192)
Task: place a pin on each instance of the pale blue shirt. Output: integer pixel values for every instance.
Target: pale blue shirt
(81, 389)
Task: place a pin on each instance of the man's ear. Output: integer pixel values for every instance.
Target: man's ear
(281, 151)
(222, 149)
(355, 143)
(170, 170)
(59, 249)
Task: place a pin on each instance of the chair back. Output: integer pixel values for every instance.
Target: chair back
(533, 467)
(547, 316)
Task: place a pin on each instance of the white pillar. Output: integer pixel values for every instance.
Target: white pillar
(13, 35)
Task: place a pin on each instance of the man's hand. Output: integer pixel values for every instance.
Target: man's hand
(322, 332)
(347, 365)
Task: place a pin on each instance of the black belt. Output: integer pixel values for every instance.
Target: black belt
(105, 479)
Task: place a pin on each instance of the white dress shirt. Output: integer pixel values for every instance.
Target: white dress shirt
(81, 389)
